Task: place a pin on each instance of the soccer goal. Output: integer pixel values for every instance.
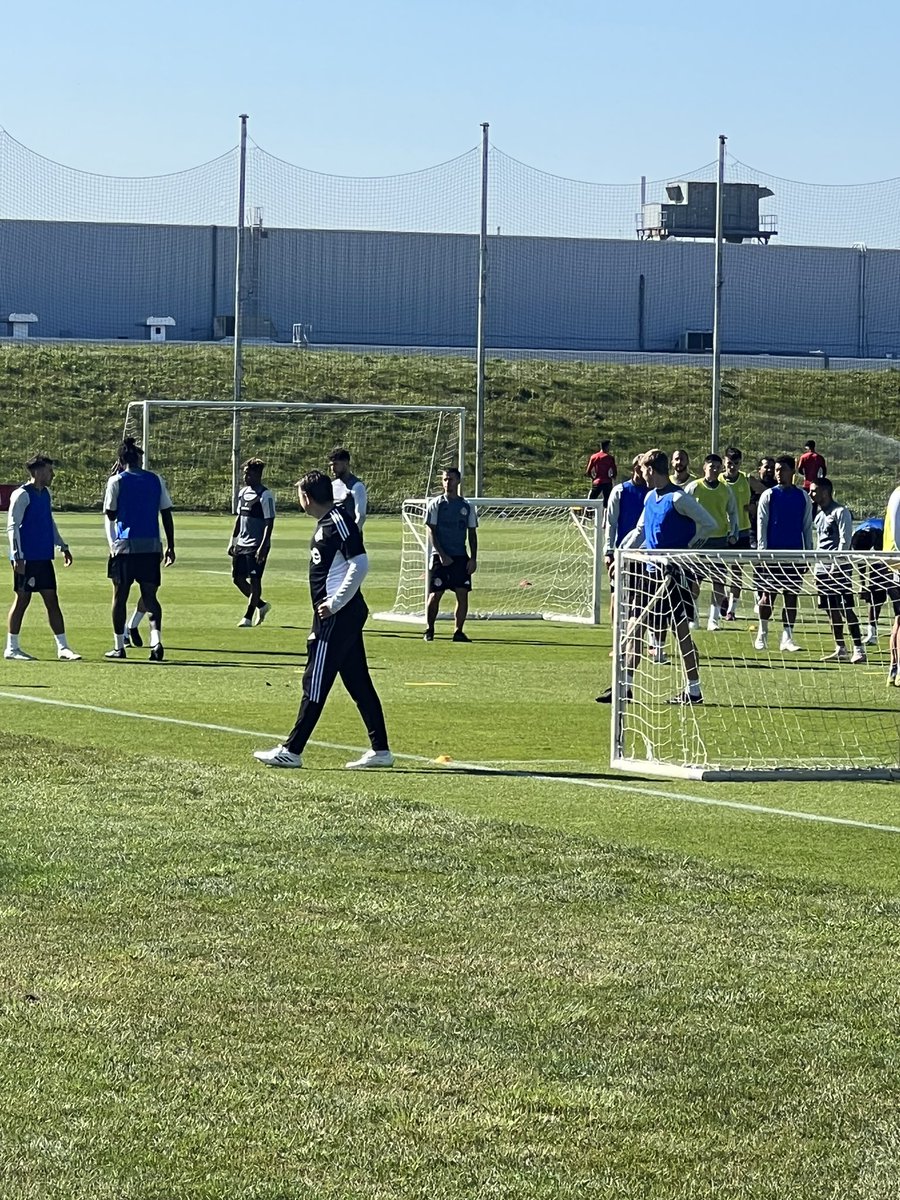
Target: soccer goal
(199, 445)
(538, 560)
(809, 704)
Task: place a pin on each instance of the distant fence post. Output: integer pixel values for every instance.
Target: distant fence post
(479, 335)
(238, 348)
(717, 304)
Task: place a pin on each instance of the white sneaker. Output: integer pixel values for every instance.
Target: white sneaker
(712, 626)
(762, 642)
(788, 645)
(278, 756)
(244, 623)
(19, 656)
(262, 613)
(372, 758)
(66, 654)
(858, 655)
(871, 639)
(839, 654)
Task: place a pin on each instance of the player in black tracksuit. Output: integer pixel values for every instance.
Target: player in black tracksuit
(337, 566)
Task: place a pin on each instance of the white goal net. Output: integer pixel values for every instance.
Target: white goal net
(538, 559)
(792, 687)
(198, 446)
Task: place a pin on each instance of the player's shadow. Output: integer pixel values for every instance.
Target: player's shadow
(232, 650)
(508, 773)
(483, 641)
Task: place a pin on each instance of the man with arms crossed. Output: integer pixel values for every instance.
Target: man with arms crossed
(671, 520)
(33, 538)
(783, 522)
(134, 503)
(251, 539)
(449, 519)
(834, 581)
(346, 488)
(337, 566)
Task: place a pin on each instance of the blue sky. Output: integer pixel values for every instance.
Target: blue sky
(602, 92)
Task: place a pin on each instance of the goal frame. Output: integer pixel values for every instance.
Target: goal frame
(592, 533)
(299, 407)
(620, 761)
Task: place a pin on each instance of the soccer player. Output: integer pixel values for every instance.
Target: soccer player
(681, 472)
(346, 488)
(602, 471)
(892, 544)
(739, 484)
(626, 502)
(251, 539)
(811, 465)
(720, 503)
(33, 538)
(784, 522)
(134, 503)
(448, 519)
(834, 581)
(337, 566)
(670, 520)
(878, 584)
(759, 483)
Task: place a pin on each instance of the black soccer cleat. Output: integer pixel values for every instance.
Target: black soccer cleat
(607, 696)
(428, 636)
(157, 654)
(459, 636)
(134, 636)
(686, 698)
(114, 654)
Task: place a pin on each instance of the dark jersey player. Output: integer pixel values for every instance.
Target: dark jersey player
(251, 539)
(337, 566)
(450, 519)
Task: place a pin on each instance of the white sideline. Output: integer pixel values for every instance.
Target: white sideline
(603, 785)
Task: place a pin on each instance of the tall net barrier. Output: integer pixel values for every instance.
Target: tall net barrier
(538, 560)
(801, 695)
(198, 447)
(599, 304)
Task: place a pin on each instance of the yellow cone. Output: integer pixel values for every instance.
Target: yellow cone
(443, 758)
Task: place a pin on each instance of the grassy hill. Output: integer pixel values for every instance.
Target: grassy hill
(542, 417)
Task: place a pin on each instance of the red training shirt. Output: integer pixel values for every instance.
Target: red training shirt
(812, 467)
(601, 467)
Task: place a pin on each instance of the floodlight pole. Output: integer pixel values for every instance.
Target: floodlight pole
(717, 303)
(238, 348)
(479, 333)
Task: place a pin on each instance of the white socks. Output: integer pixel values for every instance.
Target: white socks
(119, 640)
(154, 638)
(12, 641)
(61, 642)
(136, 617)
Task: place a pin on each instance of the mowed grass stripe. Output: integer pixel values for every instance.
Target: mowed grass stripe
(215, 984)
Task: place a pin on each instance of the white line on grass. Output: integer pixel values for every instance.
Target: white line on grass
(483, 768)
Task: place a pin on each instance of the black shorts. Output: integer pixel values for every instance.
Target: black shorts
(246, 566)
(830, 601)
(600, 489)
(715, 572)
(745, 541)
(454, 578)
(126, 569)
(39, 576)
(667, 598)
(773, 579)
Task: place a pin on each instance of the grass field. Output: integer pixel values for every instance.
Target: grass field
(537, 980)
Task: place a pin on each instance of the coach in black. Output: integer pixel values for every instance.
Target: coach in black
(337, 567)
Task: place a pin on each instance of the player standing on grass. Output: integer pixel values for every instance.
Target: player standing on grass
(720, 503)
(784, 522)
(337, 566)
(448, 519)
(33, 538)
(834, 581)
(877, 584)
(811, 465)
(670, 520)
(602, 471)
(134, 503)
(346, 488)
(892, 545)
(251, 539)
(759, 483)
(739, 485)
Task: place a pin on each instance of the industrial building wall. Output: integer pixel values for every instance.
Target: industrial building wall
(92, 280)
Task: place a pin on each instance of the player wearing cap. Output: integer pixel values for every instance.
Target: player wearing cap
(338, 563)
(346, 488)
(250, 541)
(33, 539)
(135, 502)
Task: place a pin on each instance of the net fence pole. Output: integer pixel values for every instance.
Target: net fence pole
(479, 335)
(717, 303)
(145, 432)
(597, 582)
(238, 295)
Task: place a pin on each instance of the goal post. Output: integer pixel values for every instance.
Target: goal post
(538, 560)
(199, 445)
(808, 702)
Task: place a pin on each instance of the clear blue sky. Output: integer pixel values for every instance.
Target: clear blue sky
(579, 88)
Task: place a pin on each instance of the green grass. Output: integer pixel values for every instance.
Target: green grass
(542, 418)
(220, 981)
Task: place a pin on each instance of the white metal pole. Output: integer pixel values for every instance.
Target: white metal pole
(717, 303)
(238, 296)
(618, 673)
(145, 432)
(597, 582)
(479, 334)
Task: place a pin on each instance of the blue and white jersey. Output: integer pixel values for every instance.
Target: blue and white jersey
(30, 526)
(784, 519)
(135, 498)
(626, 502)
(351, 493)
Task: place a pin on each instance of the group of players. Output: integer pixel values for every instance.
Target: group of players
(663, 506)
